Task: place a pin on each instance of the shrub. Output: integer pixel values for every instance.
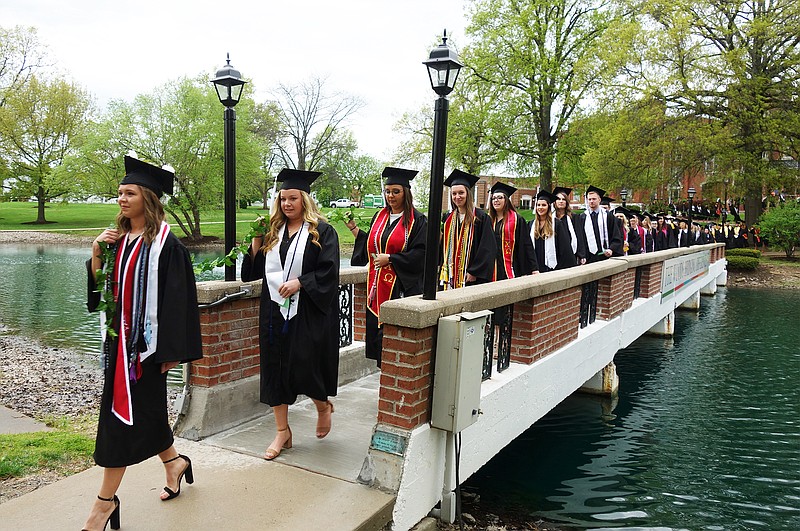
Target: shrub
(781, 227)
(752, 253)
(742, 263)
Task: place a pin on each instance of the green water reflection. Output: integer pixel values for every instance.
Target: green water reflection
(705, 434)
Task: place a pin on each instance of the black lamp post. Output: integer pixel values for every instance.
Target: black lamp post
(624, 195)
(443, 68)
(229, 85)
(690, 192)
(725, 204)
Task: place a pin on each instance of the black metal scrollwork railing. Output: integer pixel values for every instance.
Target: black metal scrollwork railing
(500, 322)
(637, 284)
(345, 315)
(588, 303)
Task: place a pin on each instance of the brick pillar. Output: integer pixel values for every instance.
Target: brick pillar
(544, 324)
(615, 294)
(230, 343)
(359, 311)
(405, 395)
(651, 280)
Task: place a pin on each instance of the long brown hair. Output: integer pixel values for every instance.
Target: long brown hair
(567, 209)
(311, 214)
(507, 208)
(153, 215)
(469, 205)
(543, 228)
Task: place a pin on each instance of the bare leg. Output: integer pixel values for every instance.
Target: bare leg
(101, 510)
(173, 469)
(284, 436)
(324, 411)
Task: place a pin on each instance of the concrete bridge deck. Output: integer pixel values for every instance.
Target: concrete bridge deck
(311, 486)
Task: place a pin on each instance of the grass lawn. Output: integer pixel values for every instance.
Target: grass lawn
(90, 219)
(65, 450)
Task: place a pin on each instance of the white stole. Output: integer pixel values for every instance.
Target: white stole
(276, 274)
(589, 230)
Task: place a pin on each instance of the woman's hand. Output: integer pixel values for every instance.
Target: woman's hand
(289, 288)
(470, 278)
(381, 260)
(167, 365)
(108, 236)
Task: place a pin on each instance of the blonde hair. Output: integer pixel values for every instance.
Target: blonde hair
(153, 215)
(543, 228)
(311, 214)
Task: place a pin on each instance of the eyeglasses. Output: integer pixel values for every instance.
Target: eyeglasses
(498, 197)
(393, 192)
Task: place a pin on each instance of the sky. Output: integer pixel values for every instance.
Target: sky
(372, 49)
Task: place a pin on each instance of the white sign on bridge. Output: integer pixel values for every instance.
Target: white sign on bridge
(682, 271)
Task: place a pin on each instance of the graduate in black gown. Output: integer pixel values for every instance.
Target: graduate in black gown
(598, 229)
(298, 261)
(468, 244)
(394, 248)
(152, 281)
(563, 212)
(550, 236)
(515, 256)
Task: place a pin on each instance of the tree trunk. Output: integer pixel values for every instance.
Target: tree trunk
(41, 201)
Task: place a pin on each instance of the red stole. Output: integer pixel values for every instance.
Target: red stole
(507, 244)
(123, 293)
(382, 279)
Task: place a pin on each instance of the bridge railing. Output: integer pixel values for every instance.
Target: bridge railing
(549, 310)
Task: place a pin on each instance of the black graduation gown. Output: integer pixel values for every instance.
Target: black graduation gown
(662, 240)
(614, 236)
(564, 256)
(409, 266)
(484, 248)
(635, 241)
(305, 359)
(523, 259)
(118, 444)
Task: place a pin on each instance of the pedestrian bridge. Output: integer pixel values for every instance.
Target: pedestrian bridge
(565, 328)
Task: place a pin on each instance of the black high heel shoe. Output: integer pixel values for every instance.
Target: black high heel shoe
(186, 472)
(113, 519)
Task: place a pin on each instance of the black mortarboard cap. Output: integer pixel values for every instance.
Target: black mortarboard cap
(605, 200)
(598, 191)
(461, 177)
(561, 190)
(399, 176)
(624, 211)
(159, 180)
(547, 196)
(297, 179)
(503, 188)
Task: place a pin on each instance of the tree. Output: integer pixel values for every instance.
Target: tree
(780, 227)
(40, 124)
(310, 119)
(180, 124)
(735, 63)
(542, 58)
(21, 56)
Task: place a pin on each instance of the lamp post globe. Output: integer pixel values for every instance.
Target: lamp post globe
(624, 195)
(690, 192)
(229, 85)
(443, 67)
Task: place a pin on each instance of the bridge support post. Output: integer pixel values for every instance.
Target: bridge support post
(604, 383)
(722, 278)
(709, 289)
(665, 327)
(692, 303)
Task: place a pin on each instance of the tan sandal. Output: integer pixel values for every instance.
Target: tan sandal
(323, 431)
(271, 453)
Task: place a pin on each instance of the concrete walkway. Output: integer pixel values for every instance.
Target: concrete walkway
(14, 422)
(311, 486)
